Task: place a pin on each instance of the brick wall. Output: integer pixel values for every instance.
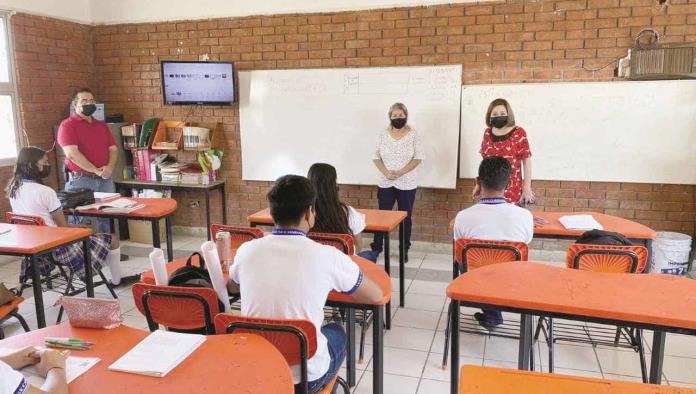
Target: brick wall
(495, 42)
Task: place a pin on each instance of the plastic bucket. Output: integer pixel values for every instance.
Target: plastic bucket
(670, 253)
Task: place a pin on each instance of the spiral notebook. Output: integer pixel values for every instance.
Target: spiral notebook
(158, 354)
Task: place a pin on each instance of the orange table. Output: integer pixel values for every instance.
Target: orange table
(32, 242)
(376, 221)
(651, 301)
(487, 380)
(223, 363)
(155, 209)
(336, 299)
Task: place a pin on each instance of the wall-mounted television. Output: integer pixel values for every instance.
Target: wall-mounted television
(198, 83)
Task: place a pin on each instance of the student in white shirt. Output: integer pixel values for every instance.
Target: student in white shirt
(49, 363)
(332, 215)
(288, 276)
(494, 219)
(29, 196)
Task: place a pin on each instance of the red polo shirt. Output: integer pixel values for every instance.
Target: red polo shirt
(93, 140)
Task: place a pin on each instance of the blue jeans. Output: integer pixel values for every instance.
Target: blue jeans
(95, 184)
(336, 341)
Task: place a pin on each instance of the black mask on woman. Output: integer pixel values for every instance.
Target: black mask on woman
(499, 121)
(45, 171)
(398, 123)
(88, 109)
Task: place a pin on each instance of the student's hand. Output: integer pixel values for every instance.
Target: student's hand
(21, 358)
(528, 195)
(51, 359)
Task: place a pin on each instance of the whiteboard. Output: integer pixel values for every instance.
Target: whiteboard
(290, 119)
(637, 131)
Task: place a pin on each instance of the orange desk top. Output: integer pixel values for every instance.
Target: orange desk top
(369, 269)
(651, 299)
(155, 208)
(375, 219)
(26, 239)
(487, 380)
(223, 363)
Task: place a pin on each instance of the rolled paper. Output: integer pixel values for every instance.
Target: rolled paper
(212, 262)
(159, 267)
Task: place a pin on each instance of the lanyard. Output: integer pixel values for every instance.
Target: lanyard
(288, 231)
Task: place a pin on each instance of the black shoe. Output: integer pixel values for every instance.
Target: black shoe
(485, 323)
(127, 280)
(125, 257)
(406, 256)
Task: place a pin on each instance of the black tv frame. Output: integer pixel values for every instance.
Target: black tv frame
(212, 103)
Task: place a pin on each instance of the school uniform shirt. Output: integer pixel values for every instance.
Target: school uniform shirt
(395, 154)
(514, 147)
(494, 219)
(11, 381)
(93, 139)
(356, 221)
(37, 200)
(289, 276)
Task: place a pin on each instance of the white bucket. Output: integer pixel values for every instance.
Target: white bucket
(670, 253)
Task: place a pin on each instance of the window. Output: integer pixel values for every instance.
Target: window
(8, 95)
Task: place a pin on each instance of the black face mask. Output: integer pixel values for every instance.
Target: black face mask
(499, 121)
(45, 171)
(88, 109)
(398, 123)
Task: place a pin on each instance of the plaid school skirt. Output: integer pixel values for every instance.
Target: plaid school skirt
(72, 258)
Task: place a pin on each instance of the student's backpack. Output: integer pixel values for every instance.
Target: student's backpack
(601, 237)
(190, 275)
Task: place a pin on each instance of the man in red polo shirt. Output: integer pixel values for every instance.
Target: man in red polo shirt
(90, 157)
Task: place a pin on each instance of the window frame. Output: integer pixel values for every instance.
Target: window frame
(10, 88)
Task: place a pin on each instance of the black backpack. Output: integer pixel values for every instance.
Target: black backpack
(190, 275)
(601, 237)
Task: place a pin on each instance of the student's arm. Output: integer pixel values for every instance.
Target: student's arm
(408, 167)
(368, 291)
(52, 366)
(108, 170)
(527, 193)
(73, 154)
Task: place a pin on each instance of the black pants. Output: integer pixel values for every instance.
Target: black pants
(405, 199)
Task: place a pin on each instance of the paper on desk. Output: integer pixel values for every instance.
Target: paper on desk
(580, 222)
(158, 354)
(105, 196)
(212, 261)
(74, 367)
(159, 267)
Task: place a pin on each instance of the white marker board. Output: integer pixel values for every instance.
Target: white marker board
(637, 131)
(290, 119)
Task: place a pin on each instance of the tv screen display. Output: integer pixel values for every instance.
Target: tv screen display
(198, 83)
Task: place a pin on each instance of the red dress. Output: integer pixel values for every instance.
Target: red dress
(514, 147)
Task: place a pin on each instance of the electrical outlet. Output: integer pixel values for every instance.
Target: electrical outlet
(194, 204)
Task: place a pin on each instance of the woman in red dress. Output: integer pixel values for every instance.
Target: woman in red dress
(504, 138)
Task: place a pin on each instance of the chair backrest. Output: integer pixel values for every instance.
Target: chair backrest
(607, 258)
(15, 218)
(343, 242)
(178, 308)
(475, 253)
(238, 234)
(295, 339)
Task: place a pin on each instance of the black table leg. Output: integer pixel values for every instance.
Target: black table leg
(378, 347)
(657, 357)
(89, 281)
(207, 212)
(38, 295)
(402, 274)
(387, 267)
(350, 346)
(525, 342)
(224, 204)
(155, 234)
(454, 346)
(168, 229)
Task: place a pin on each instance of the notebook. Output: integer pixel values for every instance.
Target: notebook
(580, 222)
(121, 205)
(158, 354)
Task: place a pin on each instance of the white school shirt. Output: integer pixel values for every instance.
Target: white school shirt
(395, 154)
(11, 381)
(37, 200)
(290, 277)
(356, 221)
(493, 219)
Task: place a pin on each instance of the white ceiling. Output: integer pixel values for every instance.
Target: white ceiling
(130, 11)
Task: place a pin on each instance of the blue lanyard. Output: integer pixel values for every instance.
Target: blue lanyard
(492, 201)
(288, 231)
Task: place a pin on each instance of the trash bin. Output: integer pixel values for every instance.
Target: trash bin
(670, 253)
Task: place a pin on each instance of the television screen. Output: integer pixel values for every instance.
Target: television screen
(193, 83)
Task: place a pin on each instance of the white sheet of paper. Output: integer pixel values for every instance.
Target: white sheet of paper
(74, 367)
(105, 196)
(580, 222)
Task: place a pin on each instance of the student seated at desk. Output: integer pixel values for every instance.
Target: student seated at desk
(288, 276)
(332, 215)
(49, 363)
(29, 196)
(494, 219)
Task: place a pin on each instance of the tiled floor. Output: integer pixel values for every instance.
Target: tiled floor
(414, 346)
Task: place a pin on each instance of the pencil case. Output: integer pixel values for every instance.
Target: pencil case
(92, 312)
